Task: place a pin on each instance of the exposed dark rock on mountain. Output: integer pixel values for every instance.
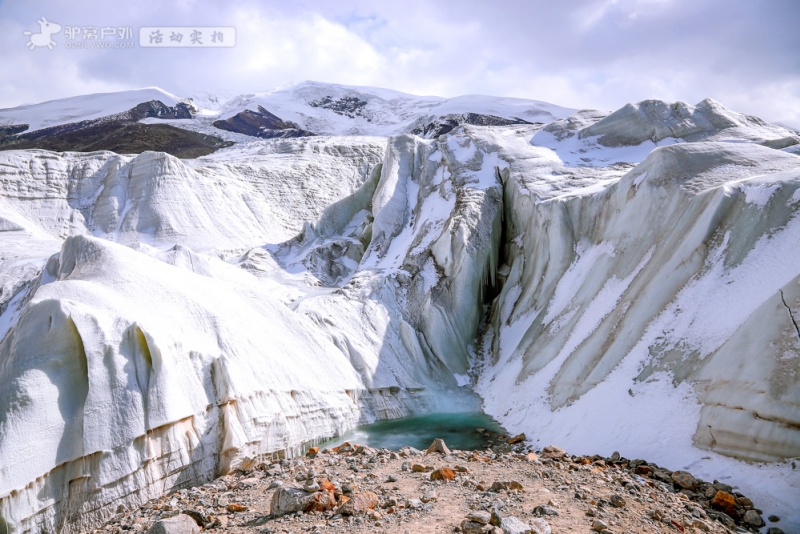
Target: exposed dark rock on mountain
(157, 109)
(121, 133)
(121, 136)
(447, 123)
(9, 133)
(262, 124)
(349, 106)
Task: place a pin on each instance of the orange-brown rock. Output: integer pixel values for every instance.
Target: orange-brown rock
(236, 507)
(321, 501)
(443, 473)
(344, 448)
(326, 485)
(360, 503)
(312, 451)
(517, 439)
(725, 502)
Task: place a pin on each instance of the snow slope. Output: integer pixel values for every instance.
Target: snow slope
(81, 108)
(605, 282)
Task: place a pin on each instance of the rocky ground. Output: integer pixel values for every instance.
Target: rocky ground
(507, 489)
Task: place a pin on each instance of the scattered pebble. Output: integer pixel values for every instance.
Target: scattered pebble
(506, 488)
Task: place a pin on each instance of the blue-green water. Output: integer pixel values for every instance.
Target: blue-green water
(458, 430)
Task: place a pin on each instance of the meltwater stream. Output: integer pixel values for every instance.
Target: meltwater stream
(459, 430)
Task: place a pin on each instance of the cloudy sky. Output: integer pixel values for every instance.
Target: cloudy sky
(582, 53)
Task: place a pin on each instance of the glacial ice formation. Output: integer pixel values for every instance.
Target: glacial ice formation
(629, 282)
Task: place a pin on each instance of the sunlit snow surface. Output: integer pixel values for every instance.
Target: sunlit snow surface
(162, 318)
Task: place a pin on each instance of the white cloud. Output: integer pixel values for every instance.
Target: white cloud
(311, 45)
(591, 53)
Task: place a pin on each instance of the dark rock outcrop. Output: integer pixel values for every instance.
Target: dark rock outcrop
(261, 123)
(447, 123)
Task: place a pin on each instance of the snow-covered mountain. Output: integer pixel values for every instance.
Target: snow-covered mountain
(626, 281)
(307, 108)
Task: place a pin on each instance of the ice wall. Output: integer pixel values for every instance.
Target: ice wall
(252, 196)
(686, 271)
(125, 376)
(131, 370)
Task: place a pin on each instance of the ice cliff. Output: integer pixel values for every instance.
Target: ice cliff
(627, 281)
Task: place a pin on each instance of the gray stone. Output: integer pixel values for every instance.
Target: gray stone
(480, 516)
(684, 479)
(663, 475)
(472, 527)
(598, 525)
(414, 504)
(540, 511)
(429, 495)
(539, 526)
(512, 525)
(180, 524)
(287, 500)
(751, 517)
(617, 501)
(721, 486)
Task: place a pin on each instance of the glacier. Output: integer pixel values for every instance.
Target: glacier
(626, 281)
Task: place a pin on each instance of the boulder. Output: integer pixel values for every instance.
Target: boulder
(725, 502)
(553, 453)
(479, 516)
(753, 519)
(287, 500)
(438, 445)
(684, 479)
(179, 524)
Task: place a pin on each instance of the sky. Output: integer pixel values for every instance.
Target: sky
(596, 54)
